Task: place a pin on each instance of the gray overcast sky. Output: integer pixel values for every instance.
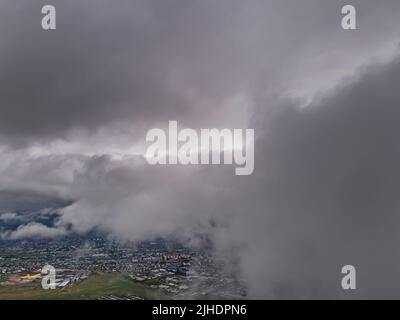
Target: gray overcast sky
(75, 104)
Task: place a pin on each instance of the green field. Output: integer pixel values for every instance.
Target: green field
(97, 285)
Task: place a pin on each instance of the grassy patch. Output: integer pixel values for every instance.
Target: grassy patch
(97, 285)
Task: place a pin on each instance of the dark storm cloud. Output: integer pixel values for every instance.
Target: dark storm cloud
(150, 61)
(109, 61)
(326, 194)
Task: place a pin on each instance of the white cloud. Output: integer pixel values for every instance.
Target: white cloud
(34, 230)
(8, 216)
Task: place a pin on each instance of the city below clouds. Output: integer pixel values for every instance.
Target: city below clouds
(76, 103)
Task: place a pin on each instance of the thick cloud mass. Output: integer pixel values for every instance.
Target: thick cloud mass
(75, 104)
(144, 62)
